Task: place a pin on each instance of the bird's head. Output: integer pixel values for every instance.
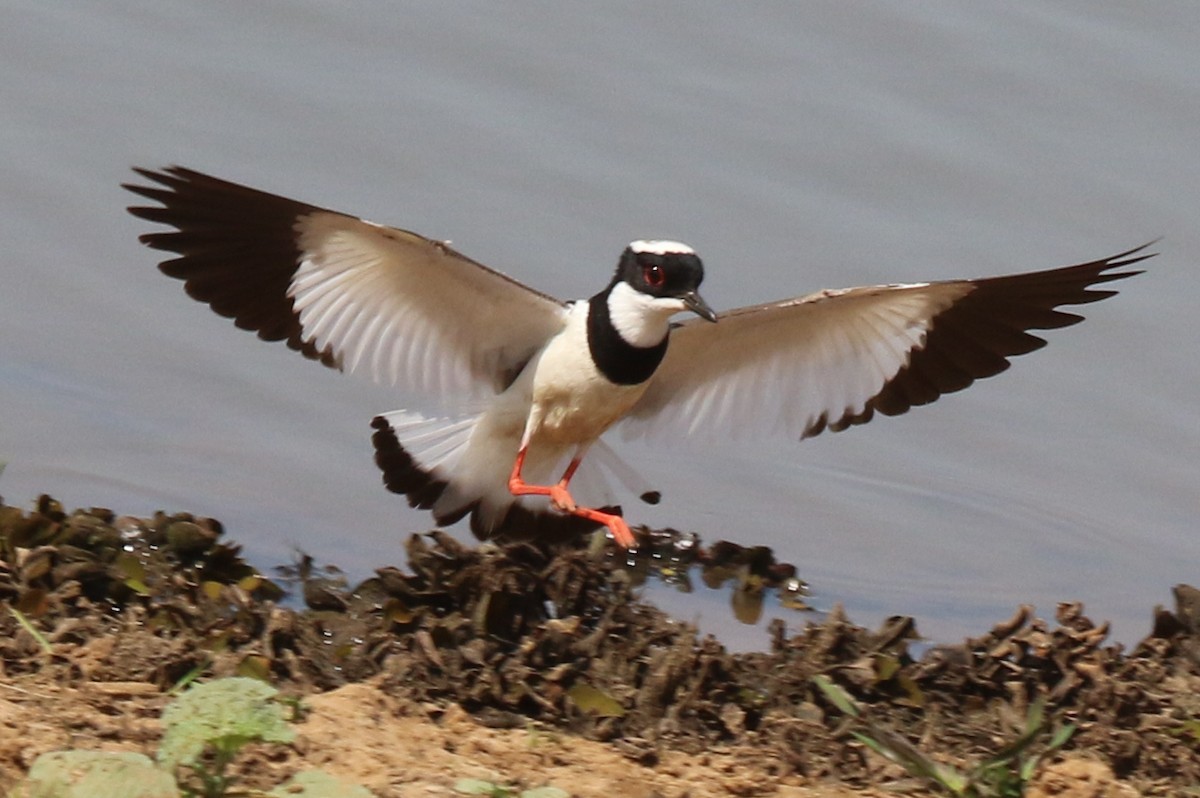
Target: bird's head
(664, 276)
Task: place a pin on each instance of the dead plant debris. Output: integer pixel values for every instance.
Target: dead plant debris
(529, 636)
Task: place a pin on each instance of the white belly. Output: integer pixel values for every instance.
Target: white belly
(560, 402)
(572, 402)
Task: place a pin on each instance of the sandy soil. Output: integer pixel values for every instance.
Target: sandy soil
(362, 734)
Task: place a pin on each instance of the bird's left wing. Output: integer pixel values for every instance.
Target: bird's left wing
(832, 359)
(347, 292)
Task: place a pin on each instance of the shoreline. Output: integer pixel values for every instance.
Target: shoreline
(484, 648)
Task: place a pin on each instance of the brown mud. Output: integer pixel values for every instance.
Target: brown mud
(529, 665)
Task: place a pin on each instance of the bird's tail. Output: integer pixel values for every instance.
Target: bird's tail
(459, 466)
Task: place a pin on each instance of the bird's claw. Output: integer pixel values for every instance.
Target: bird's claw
(621, 533)
(561, 499)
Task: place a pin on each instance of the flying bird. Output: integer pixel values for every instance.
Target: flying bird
(526, 384)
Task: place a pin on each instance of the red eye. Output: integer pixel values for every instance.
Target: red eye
(654, 276)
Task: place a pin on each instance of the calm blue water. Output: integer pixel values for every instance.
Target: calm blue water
(797, 147)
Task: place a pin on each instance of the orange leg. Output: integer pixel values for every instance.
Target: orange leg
(561, 498)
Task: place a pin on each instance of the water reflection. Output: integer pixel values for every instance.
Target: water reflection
(751, 574)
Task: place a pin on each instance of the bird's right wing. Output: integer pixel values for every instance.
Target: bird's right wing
(832, 359)
(348, 292)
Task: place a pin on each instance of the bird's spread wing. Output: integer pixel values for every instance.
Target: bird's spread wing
(834, 358)
(348, 292)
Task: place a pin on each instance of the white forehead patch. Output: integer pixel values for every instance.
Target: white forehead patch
(662, 247)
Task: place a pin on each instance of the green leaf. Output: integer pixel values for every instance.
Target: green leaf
(589, 699)
(876, 746)
(899, 750)
(1036, 716)
(33, 631)
(886, 666)
(836, 695)
(1189, 728)
(1028, 766)
(913, 697)
(255, 667)
(224, 714)
(189, 677)
(1060, 737)
(138, 586)
(951, 779)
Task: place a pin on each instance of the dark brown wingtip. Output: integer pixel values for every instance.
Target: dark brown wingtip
(237, 249)
(155, 193)
(1101, 271)
(975, 337)
(1122, 259)
(168, 178)
(401, 474)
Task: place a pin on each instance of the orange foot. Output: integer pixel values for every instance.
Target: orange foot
(562, 500)
(615, 523)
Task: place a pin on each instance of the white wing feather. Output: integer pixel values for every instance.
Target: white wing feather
(348, 292)
(407, 310)
(790, 367)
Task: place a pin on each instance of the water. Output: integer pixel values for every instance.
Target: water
(797, 147)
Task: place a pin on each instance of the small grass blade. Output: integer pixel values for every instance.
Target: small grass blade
(189, 677)
(33, 631)
(836, 695)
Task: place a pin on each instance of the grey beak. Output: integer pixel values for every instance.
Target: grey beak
(698, 306)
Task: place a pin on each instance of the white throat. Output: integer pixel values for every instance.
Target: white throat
(640, 319)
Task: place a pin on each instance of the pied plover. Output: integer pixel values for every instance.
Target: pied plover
(526, 384)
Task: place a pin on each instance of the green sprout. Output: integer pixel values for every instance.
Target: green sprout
(28, 626)
(209, 724)
(205, 728)
(1002, 775)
